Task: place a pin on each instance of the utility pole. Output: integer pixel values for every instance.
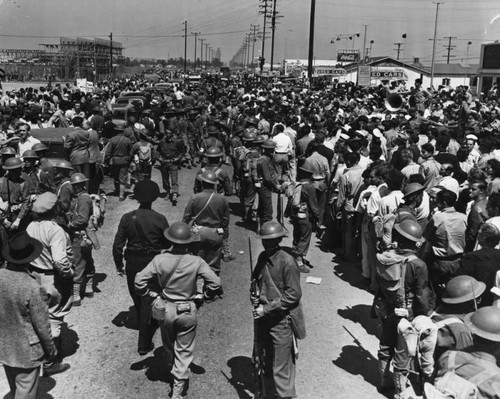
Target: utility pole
(201, 47)
(311, 43)
(111, 54)
(206, 54)
(248, 38)
(95, 62)
(273, 28)
(262, 58)
(398, 50)
(437, 3)
(185, 44)
(364, 45)
(195, 36)
(254, 28)
(449, 47)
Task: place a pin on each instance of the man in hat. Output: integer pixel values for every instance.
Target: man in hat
(141, 232)
(208, 213)
(214, 155)
(212, 140)
(64, 189)
(30, 172)
(249, 156)
(78, 220)
(171, 152)
(266, 181)
(53, 267)
(179, 273)
(143, 156)
(118, 157)
(25, 338)
(6, 153)
(275, 340)
(77, 144)
(45, 168)
(14, 191)
(304, 212)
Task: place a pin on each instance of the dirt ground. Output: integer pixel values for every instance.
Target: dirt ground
(337, 359)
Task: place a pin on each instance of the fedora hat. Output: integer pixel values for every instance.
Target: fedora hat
(146, 191)
(22, 249)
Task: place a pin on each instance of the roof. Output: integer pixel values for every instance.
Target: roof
(388, 61)
(460, 69)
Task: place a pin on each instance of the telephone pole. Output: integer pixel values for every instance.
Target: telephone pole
(273, 28)
(438, 3)
(201, 47)
(185, 44)
(311, 43)
(265, 8)
(195, 36)
(398, 50)
(254, 29)
(449, 47)
(111, 54)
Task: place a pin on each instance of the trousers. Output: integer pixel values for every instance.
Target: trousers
(84, 263)
(302, 232)
(23, 383)
(178, 334)
(265, 209)
(170, 177)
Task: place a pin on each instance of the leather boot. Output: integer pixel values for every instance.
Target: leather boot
(56, 366)
(89, 287)
(77, 300)
(178, 388)
(386, 382)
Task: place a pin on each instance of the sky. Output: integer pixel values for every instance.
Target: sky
(155, 28)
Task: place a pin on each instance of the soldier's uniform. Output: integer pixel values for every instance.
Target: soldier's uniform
(224, 187)
(171, 152)
(141, 231)
(46, 175)
(265, 185)
(118, 157)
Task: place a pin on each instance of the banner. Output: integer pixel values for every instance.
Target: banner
(348, 56)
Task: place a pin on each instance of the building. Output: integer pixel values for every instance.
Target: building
(489, 67)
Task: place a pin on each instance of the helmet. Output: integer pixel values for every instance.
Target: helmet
(179, 233)
(269, 144)
(7, 151)
(13, 163)
(410, 229)
(77, 178)
(30, 154)
(462, 289)
(238, 129)
(39, 147)
(272, 229)
(259, 139)
(412, 188)
(212, 130)
(120, 126)
(249, 136)
(63, 164)
(252, 121)
(213, 152)
(484, 323)
(209, 177)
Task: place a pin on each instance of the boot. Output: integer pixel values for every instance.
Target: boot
(174, 199)
(77, 300)
(89, 287)
(386, 382)
(56, 366)
(122, 192)
(178, 388)
(400, 383)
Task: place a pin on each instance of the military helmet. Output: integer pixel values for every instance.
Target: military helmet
(485, 323)
(259, 139)
(410, 229)
(77, 178)
(238, 129)
(212, 130)
(180, 233)
(63, 164)
(269, 144)
(462, 289)
(249, 136)
(272, 229)
(13, 163)
(209, 177)
(7, 151)
(252, 121)
(412, 188)
(30, 154)
(39, 147)
(213, 152)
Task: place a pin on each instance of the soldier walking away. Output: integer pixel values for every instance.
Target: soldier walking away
(118, 158)
(173, 278)
(171, 152)
(277, 294)
(141, 231)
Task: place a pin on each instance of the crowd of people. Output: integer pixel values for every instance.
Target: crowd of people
(408, 192)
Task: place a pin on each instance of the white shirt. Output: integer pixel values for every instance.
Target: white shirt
(27, 145)
(283, 143)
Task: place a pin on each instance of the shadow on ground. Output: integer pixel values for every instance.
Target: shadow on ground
(127, 319)
(241, 378)
(361, 314)
(356, 360)
(69, 341)
(154, 366)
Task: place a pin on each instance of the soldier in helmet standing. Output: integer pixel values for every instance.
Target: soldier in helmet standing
(208, 213)
(64, 189)
(15, 192)
(78, 220)
(171, 152)
(6, 153)
(249, 155)
(266, 181)
(212, 140)
(45, 168)
(179, 273)
(214, 155)
(118, 157)
(278, 292)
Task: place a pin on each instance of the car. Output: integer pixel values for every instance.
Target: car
(122, 101)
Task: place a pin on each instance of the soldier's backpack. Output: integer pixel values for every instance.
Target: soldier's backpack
(144, 153)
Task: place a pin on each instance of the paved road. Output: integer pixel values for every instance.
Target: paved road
(100, 341)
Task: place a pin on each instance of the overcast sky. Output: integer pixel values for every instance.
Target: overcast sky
(154, 28)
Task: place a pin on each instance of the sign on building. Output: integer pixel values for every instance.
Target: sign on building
(329, 71)
(348, 56)
(364, 75)
(388, 73)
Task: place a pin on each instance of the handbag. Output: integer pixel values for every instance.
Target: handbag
(296, 314)
(159, 305)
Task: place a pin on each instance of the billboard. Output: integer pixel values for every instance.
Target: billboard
(491, 56)
(348, 56)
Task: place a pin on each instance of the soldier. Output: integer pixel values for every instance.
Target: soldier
(14, 191)
(194, 124)
(213, 155)
(248, 155)
(171, 152)
(6, 153)
(178, 272)
(212, 140)
(118, 157)
(276, 295)
(143, 156)
(53, 268)
(79, 216)
(77, 144)
(141, 231)
(45, 169)
(64, 189)
(208, 213)
(266, 181)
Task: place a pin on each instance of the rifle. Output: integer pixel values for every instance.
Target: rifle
(257, 350)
